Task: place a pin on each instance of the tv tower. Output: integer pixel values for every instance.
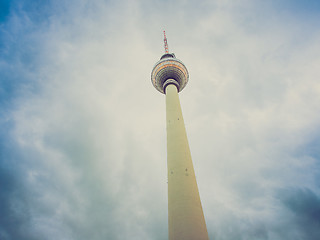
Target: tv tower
(185, 215)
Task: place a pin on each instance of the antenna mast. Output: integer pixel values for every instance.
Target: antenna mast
(166, 48)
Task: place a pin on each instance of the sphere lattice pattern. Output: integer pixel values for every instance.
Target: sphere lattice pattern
(171, 69)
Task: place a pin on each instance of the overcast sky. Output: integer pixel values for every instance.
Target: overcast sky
(82, 129)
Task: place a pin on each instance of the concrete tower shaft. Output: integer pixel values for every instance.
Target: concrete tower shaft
(185, 214)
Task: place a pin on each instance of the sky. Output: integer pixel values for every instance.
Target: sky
(82, 129)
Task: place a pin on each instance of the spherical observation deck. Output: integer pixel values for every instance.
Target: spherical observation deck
(169, 70)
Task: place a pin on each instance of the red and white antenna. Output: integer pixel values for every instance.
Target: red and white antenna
(166, 48)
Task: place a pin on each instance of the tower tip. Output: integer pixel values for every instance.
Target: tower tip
(166, 48)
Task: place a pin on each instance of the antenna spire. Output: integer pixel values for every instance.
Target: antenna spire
(166, 48)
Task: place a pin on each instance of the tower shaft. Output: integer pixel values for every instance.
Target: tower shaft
(186, 219)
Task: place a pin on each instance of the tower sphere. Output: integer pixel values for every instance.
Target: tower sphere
(169, 70)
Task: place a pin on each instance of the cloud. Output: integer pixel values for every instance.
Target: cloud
(83, 144)
(303, 207)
